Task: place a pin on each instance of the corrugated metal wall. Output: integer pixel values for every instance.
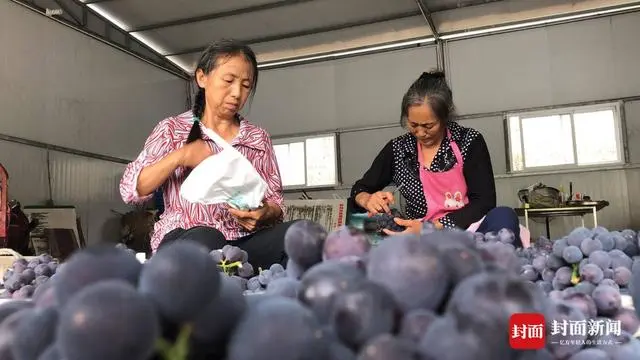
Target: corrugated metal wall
(63, 88)
(590, 60)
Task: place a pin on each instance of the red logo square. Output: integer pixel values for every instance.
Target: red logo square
(527, 331)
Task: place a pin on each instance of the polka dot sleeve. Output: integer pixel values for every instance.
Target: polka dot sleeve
(447, 223)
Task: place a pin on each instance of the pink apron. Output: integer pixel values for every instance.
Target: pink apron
(447, 191)
(444, 191)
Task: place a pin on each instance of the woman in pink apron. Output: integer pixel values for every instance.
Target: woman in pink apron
(443, 170)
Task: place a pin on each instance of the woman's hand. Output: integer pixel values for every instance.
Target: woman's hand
(375, 203)
(250, 220)
(411, 227)
(192, 154)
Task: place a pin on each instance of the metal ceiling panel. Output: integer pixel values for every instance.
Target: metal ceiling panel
(295, 20)
(144, 12)
(341, 40)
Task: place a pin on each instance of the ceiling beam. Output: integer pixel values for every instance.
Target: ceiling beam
(87, 2)
(307, 32)
(76, 14)
(218, 15)
(422, 5)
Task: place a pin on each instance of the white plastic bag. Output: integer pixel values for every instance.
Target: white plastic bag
(225, 177)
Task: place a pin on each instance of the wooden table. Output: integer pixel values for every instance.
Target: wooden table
(570, 209)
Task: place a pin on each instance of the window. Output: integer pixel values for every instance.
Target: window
(307, 162)
(565, 138)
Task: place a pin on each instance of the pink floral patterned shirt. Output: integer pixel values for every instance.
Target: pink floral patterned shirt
(171, 134)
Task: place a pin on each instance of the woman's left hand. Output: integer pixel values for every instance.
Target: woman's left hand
(412, 227)
(250, 219)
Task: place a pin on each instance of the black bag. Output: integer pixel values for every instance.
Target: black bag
(540, 196)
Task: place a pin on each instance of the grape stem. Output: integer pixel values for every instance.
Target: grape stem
(228, 268)
(177, 351)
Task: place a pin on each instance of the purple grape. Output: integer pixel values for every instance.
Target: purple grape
(277, 268)
(563, 275)
(506, 236)
(607, 300)
(572, 254)
(245, 270)
(447, 340)
(363, 312)
(590, 354)
(545, 286)
(411, 270)
(585, 287)
(629, 321)
(180, 279)
(304, 241)
(589, 245)
(563, 346)
(600, 258)
(232, 254)
(491, 237)
(415, 324)
(609, 282)
(554, 262)
(293, 270)
(265, 277)
(215, 322)
(117, 322)
(607, 241)
(217, 256)
(279, 316)
(323, 282)
(27, 276)
(584, 303)
(284, 286)
(539, 263)
(619, 258)
(592, 273)
(345, 242)
(35, 333)
(548, 275)
(388, 347)
(608, 273)
(253, 284)
(95, 263)
(622, 276)
(43, 270)
(578, 235)
(529, 273)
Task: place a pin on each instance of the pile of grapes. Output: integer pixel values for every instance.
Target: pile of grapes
(24, 278)
(440, 295)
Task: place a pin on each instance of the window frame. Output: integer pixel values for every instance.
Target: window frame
(616, 107)
(303, 139)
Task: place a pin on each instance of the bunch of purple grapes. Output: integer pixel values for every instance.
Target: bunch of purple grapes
(23, 278)
(233, 261)
(379, 222)
(441, 295)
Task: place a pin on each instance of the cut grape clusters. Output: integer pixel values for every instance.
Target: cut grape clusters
(440, 295)
(379, 222)
(24, 278)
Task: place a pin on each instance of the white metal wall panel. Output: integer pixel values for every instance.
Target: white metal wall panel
(62, 87)
(554, 65)
(358, 91)
(27, 170)
(92, 187)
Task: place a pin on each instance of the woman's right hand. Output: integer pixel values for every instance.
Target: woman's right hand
(376, 203)
(193, 153)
